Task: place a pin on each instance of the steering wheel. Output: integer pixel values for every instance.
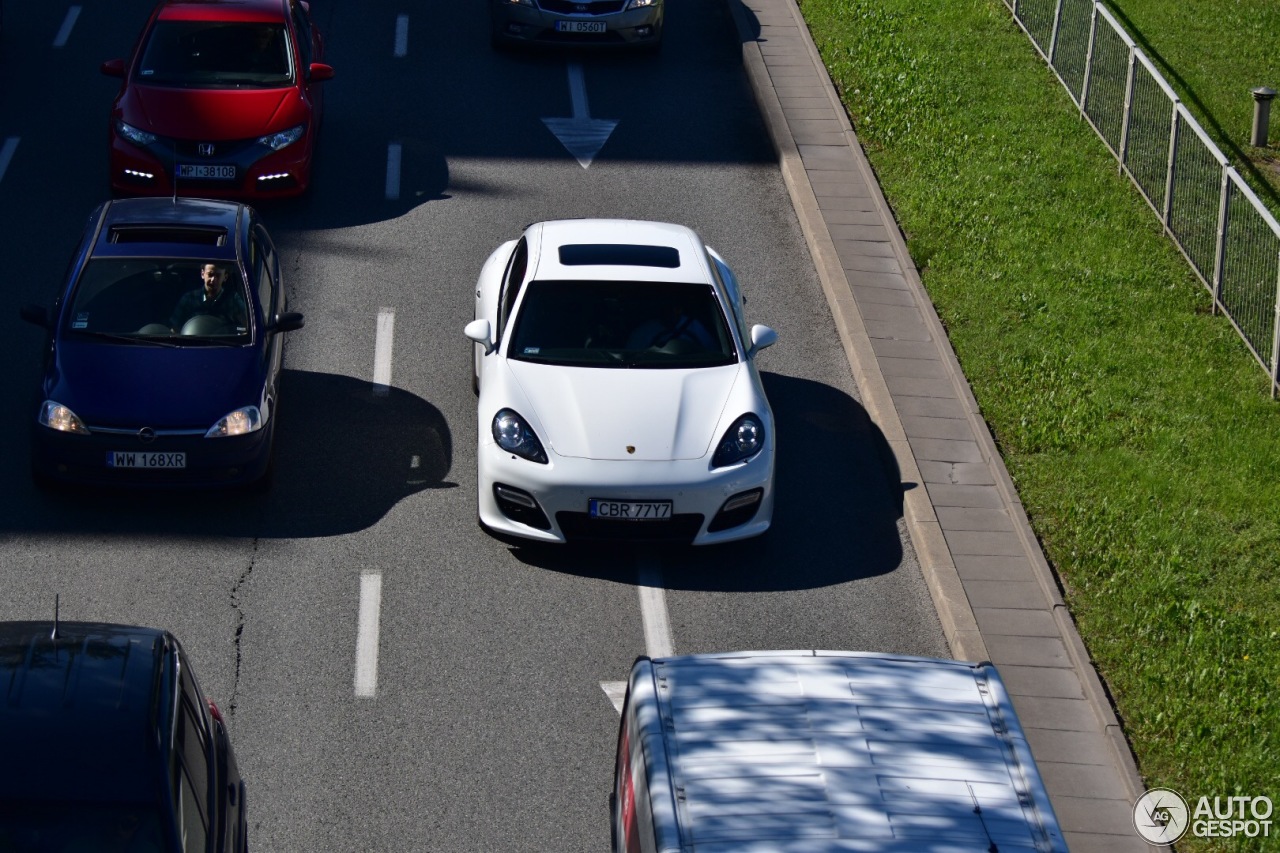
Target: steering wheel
(207, 325)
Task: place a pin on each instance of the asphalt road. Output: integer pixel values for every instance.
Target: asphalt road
(485, 726)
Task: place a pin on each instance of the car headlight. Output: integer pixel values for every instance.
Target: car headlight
(528, 3)
(138, 137)
(59, 417)
(276, 141)
(744, 439)
(639, 4)
(515, 436)
(240, 422)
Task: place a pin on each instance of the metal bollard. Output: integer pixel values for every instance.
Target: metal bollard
(1261, 115)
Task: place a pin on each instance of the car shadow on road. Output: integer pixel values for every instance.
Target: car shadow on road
(346, 453)
(838, 499)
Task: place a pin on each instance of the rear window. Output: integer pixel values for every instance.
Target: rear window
(619, 254)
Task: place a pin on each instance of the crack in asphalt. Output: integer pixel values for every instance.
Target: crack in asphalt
(240, 622)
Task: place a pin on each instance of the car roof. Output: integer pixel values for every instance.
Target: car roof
(80, 715)
(169, 227)
(666, 252)
(222, 10)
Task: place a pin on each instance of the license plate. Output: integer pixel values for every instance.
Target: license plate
(144, 459)
(630, 510)
(201, 172)
(580, 26)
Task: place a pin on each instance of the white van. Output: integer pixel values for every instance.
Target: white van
(817, 751)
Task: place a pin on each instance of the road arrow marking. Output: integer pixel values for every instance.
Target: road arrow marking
(582, 135)
(616, 691)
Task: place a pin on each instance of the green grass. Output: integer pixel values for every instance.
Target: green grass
(1214, 53)
(1137, 427)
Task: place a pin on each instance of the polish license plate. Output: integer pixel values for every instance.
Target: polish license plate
(580, 26)
(145, 459)
(206, 172)
(630, 510)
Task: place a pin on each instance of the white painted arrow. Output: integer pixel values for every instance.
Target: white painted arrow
(582, 135)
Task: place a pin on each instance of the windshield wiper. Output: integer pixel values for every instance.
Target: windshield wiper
(151, 340)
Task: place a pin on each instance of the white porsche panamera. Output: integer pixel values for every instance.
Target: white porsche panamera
(619, 397)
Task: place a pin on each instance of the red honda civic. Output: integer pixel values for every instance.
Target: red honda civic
(220, 100)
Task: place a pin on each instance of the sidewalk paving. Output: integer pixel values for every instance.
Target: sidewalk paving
(994, 591)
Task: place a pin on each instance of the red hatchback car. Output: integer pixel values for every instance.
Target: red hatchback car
(220, 100)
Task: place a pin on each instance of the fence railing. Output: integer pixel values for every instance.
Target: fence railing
(1218, 223)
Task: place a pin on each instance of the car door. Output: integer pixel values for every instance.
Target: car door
(310, 49)
(265, 266)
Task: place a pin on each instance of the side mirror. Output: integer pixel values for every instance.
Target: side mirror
(318, 72)
(480, 332)
(761, 337)
(35, 314)
(112, 68)
(286, 322)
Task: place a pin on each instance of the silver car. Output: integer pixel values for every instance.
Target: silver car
(626, 23)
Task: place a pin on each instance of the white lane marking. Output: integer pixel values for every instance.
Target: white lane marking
(64, 33)
(582, 135)
(616, 691)
(393, 171)
(6, 154)
(402, 35)
(382, 350)
(578, 91)
(658, 642)
(367, 634)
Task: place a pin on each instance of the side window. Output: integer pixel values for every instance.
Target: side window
(302, 23)
(511, 284)
(730, 286)
(264, 273)
(192, 771)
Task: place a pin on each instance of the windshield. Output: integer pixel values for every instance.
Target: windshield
(621, 324)
(188, 301)
(216, 54)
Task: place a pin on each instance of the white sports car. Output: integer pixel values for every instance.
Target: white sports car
(619, 397)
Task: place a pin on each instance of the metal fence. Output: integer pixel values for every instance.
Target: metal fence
(1230, 239)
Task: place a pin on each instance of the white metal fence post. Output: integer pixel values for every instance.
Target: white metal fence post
(1123, 153)
(1275, 336)
(1173, 156)
(1220, 248)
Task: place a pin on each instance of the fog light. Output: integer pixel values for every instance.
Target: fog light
(134, 173)
(516, 496)
(644, 32)
(739, 501)
(277, 176)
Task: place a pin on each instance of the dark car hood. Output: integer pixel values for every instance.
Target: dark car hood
(128, 386)
(212, 114)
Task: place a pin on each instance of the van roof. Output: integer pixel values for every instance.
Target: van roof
(846, 751)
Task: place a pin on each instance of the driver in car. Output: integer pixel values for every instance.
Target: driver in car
(211, 298)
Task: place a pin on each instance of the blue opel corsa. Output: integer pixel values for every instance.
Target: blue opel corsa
(163, 351)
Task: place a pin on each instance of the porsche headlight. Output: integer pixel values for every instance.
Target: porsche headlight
(515, 436)
(283, 139)
(240, 422)
(59, 417)
(138, 137)
(743, 439)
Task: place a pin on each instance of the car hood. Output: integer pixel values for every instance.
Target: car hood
(211, 114)
(129, 386)
(598, 413)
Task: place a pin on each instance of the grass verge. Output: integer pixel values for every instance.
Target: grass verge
(1136, 426)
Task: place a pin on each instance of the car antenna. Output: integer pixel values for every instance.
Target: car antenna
(54, 634)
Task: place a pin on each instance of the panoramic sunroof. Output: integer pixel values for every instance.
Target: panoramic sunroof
(619, 254)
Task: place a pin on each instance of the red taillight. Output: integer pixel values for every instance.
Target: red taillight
(213, 709)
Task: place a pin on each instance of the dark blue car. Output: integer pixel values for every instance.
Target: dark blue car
(164, 349)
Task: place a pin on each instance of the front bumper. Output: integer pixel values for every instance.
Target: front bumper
(561, 490)
(210, 462)
(260, 172)
(554, 22)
